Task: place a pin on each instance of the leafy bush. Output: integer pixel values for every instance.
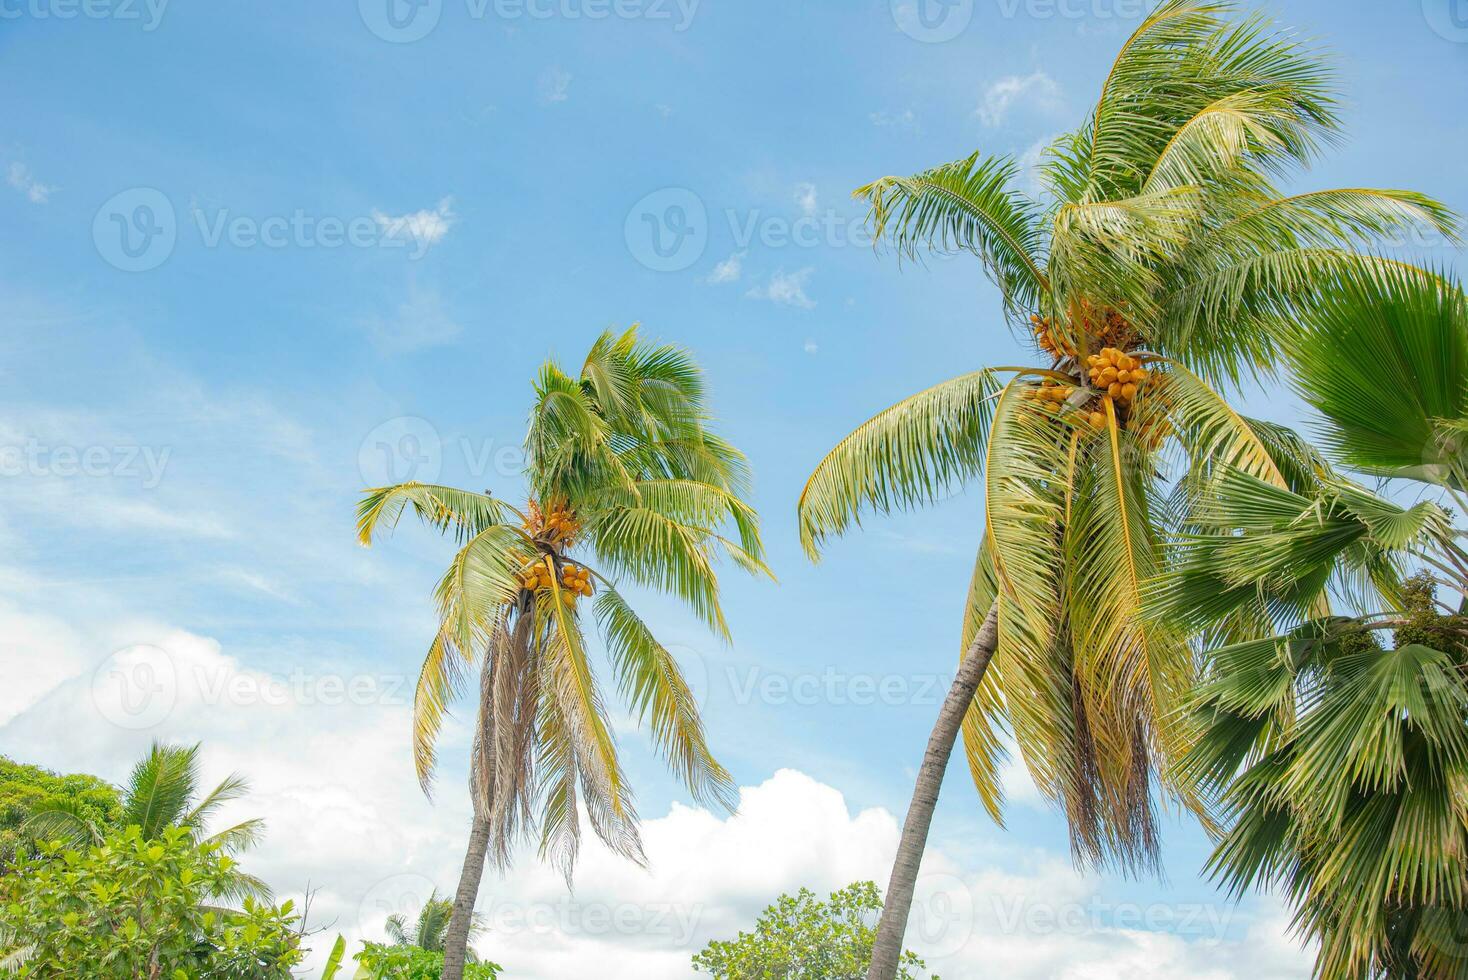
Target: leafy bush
(130, 907)
(803, 938)
(25, 790)
(380, 962)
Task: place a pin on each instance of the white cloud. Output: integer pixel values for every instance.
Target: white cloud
(19, 176)
(1039, 87)
(785, 289)
(904, 120)
(805, 198)
(418, 228)
(332, 774)
(1029, 165)
(811, 347)
(553, 85)
(421, 321)
(728, 270)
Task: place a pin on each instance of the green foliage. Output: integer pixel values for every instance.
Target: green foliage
(26, 790)
(803, 938)
(1384, 359)
(1163, 230)
(626, 482)
(131, 907)
(379, 962)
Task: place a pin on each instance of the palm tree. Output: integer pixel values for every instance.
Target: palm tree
(1341, 762)
(625, 483)
(1159, 262)
(162, 792)
(429, 929)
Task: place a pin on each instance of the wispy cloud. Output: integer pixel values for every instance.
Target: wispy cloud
(811, 347)
(805, 198)
(999, 97)
(785, 289)
(904, 120)
(422, 228)
(554, 85)
(420, 321)
(20, 177)
(727, 271)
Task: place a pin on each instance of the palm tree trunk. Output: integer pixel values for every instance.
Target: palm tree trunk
(887, 948)
(481, 795)
(456, 938)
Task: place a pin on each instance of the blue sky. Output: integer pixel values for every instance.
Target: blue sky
(340, 238)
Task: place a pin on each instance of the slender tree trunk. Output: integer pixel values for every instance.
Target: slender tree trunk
(887, 948)
(481, 796)
(456, 938)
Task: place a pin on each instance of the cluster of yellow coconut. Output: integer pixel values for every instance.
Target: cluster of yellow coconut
(577, 580)
(1099, 326)
(1117, 373)
(558, 528)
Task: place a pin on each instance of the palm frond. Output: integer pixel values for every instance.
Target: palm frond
(910, 454)
(967, 205)
(653, 684)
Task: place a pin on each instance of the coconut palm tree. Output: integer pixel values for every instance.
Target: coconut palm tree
(162, 792)
(429, 929)
(626, 483)
(1159, 262)
(1341, 760)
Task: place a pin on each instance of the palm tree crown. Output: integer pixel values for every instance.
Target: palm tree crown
(626, 483)
(1161, 259)
(1339, 760)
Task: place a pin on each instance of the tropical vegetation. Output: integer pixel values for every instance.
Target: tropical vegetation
(801, 937)
(1159, 265)
(26, 789)
(627, 484)
(1336, 741)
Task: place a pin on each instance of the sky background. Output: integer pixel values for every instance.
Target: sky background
(258, 256)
